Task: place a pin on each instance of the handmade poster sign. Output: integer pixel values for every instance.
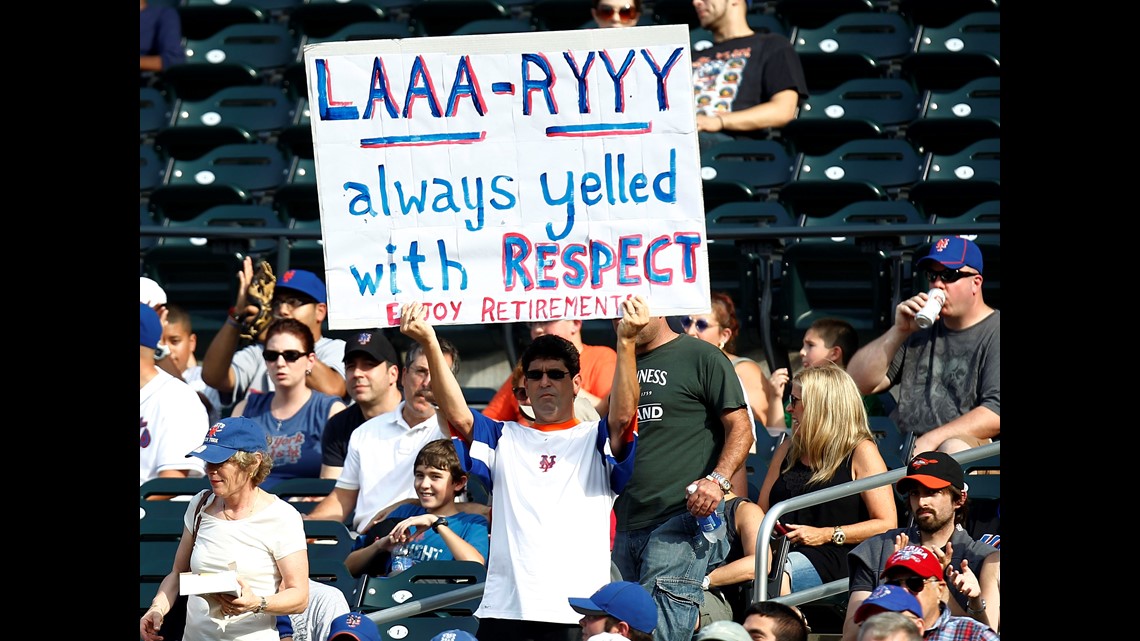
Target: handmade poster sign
(509, 177)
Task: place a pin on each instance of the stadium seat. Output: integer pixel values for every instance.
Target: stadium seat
(146, 243)
(856, 279)
(949, 57)
(199, 272)
(764, 166)
(203, 18)
(152, 169)
(494, 25)
(229, 174)
(329, 545)
(424, 579)
(868, 169)
(861, 108)
(296, 200)
(943, 12)
(812, 14)
(241, 54)
(443, 17)
(155, 113)
(675, 12)
(560, 15)
(426, 627)
(889, 439)
(323, 18)
(749, 268)
(953, 120)
(233, 115)
(956, 182)
(853, 45)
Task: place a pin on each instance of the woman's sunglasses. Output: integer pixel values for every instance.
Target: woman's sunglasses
(291, 355)
(606, 12)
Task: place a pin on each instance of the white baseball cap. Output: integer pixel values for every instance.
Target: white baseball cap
(151, 292)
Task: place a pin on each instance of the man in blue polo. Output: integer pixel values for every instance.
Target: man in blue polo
(948, 375)
(236, 373)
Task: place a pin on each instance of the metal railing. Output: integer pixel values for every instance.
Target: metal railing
(760, 591)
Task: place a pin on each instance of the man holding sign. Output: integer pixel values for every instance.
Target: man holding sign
(553, 484)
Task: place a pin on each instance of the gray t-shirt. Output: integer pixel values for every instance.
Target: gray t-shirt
(942, 374)
(865, 563)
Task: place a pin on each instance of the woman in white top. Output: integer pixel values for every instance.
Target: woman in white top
(236, 525)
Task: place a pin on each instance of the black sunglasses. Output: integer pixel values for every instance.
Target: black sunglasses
(606, 12)
(948, 276)
(702, 324)
(553, 374)
(291, 355)
(914, 584)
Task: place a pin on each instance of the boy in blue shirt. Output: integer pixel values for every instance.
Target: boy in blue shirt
(434, 528)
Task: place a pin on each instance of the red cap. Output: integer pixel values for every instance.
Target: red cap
(917, 559)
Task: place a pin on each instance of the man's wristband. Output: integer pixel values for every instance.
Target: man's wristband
(972, 611)
(721, 122)
(231, 321)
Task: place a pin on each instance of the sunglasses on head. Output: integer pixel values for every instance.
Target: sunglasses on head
(607, 11)
(291, 355)
(949, 275)
(914, 584)
(553, 374)
(702, 324)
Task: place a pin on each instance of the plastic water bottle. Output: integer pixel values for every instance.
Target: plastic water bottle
(925, 317)
(401, 559)
(712, 526)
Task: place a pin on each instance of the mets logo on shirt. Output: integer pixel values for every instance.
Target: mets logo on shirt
(144, 433)
(547, 462)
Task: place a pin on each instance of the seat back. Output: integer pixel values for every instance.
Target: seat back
(199, 272)
(201, 19)
(953, 120)
(957, 182)
(949, 57)
(865, 169)
(152, 169)
(560, 15)
(233, 115)
(329, 543)
(426, 627)
(241, 54)
(857, 109)
(944, 12)
(813, 14)
(229, 174)
(762, 165)
(443, 17)
(890, 441)
(305, 493)
(854, 45)
(424, 579)
(319, 19)
(155, 113)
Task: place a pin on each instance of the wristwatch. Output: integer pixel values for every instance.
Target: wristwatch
(161, 351)
(720, 479)
(441, 521)
(972, 611)
(261, 607)
(838, 537)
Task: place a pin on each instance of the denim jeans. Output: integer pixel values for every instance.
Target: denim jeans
(803, 573)
(670, 561)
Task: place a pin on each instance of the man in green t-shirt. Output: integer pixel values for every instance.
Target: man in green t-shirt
(693, 429)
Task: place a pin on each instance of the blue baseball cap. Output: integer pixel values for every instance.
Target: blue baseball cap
(954, 252)
(150, 328)
(622, 600)
(888, 598)
(228, 437)
(354, 625)
(305, 282)
(454, 635)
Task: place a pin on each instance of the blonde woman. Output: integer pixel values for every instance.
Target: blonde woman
(831, 444)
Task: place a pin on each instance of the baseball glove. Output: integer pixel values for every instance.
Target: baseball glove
(260, 294)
